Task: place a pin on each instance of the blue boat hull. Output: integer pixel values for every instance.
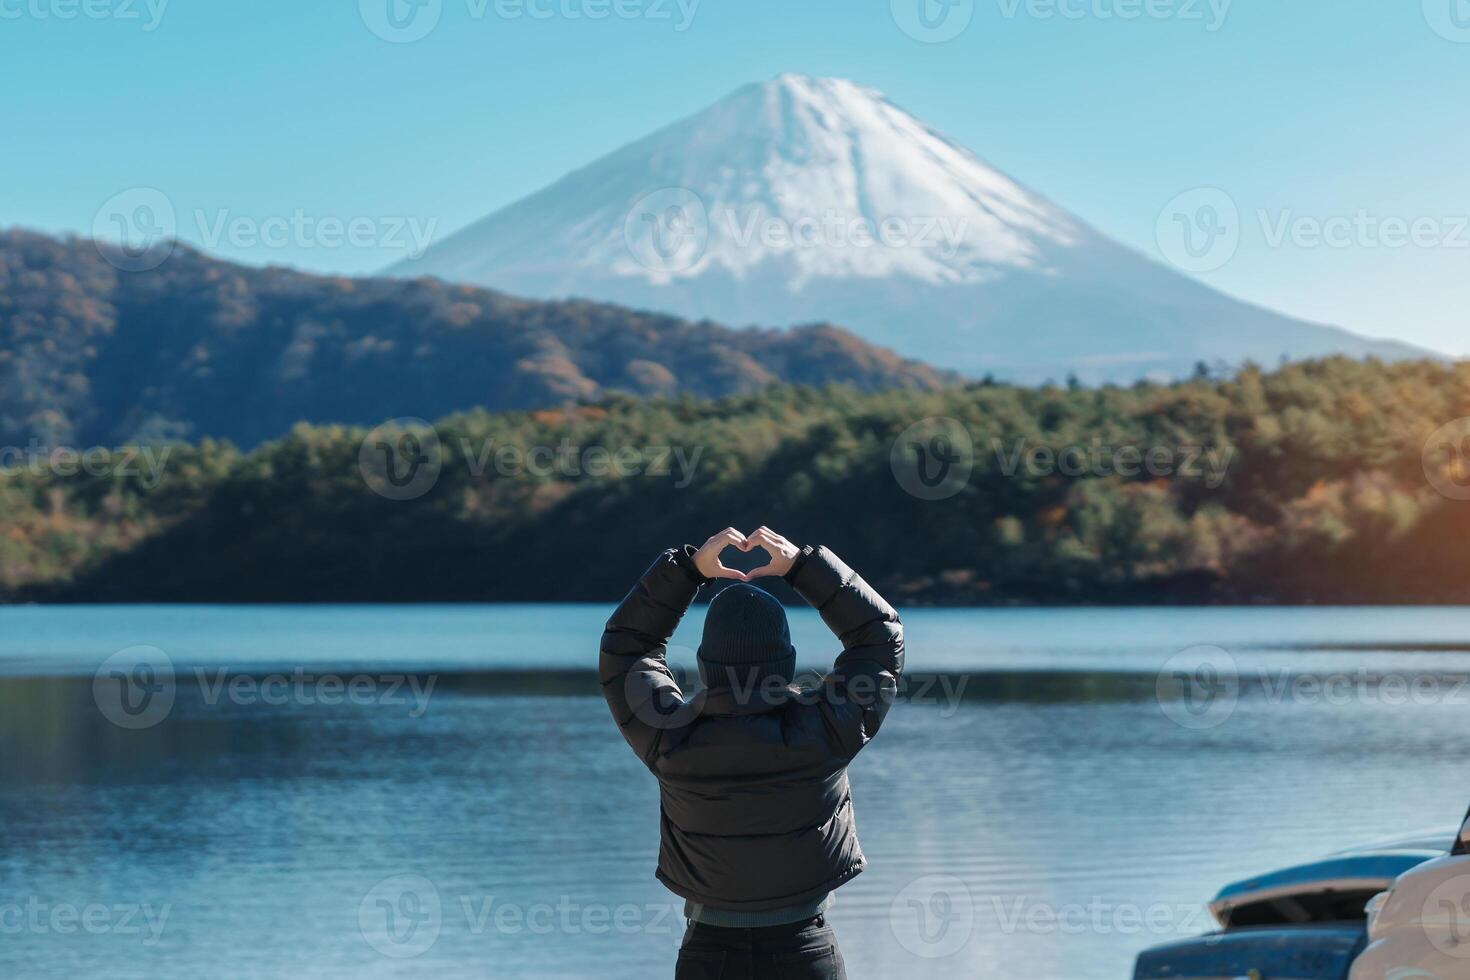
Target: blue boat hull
(1315, 952)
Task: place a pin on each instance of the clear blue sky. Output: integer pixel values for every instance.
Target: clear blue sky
(1306, 109)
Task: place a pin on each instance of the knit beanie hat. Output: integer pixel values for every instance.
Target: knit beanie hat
(746, 639)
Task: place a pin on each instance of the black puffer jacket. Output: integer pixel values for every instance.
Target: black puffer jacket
(756, 811)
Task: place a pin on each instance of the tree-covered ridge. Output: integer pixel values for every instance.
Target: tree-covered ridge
(1317, 492)
(196, 348)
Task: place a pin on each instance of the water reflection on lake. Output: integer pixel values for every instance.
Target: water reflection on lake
(482, 818)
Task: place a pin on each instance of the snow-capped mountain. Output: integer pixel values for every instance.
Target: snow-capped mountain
(816, 199)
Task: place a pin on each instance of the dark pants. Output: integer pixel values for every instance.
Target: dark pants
(797, 951)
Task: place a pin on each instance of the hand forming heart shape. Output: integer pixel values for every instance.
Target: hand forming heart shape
(782, 554)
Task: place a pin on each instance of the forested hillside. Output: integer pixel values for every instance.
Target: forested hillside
(91, 355)
(1308, 483)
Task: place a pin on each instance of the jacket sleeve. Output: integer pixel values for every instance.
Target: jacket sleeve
(642, 694)
(858, 692)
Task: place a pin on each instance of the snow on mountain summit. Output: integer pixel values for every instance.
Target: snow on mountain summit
(834, 178)
(816, 199)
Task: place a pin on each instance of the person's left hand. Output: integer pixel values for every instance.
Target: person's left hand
(783, 553)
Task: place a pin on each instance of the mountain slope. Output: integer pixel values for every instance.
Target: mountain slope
(199, 347)
(807, 199)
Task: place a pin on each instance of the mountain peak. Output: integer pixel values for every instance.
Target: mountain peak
(804, 85)
(802, 178)
(807, 198)
(816, 86)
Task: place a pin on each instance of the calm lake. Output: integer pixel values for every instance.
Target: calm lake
(439, 791)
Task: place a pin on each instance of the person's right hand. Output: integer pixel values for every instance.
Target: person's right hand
(707, 558)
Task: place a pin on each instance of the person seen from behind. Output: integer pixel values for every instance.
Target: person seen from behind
(756, 815)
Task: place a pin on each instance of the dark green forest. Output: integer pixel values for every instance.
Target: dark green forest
(1323, 488)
